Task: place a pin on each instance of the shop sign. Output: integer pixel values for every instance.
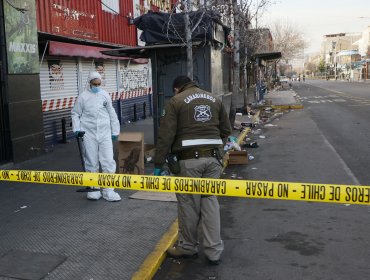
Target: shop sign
(21, 36)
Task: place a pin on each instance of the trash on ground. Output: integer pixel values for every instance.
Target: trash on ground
(270, 125)
(248, 124)
(251, 157)
(250, 145)
(257, 131)
(232, 143)
(175, 261)
(264, 118)
(254, 168)
(262, 136)
(20, 208)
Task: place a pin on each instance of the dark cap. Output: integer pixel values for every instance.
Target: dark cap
(179, 81)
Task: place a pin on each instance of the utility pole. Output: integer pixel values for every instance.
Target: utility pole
(334, 49)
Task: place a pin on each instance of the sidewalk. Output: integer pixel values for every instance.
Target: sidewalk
(283, 99)
(54, 232)
(50, 228)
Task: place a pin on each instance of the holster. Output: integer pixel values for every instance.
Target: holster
(173, 164)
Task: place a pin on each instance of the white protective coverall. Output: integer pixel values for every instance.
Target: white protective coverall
(94, 114)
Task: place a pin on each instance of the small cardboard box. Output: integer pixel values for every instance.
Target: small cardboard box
(131, 153)
(238, 157)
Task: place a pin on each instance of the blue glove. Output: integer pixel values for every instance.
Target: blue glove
(114, 137)
(79, 134)
(157, 171)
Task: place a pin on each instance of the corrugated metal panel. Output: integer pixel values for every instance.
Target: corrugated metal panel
(128, 108)
(58, 78)
(60, 86)
(53, 126)
(110, 76)
(59, 83)
(88, 20)
(59, 89)
(108, 71)
(111, 85)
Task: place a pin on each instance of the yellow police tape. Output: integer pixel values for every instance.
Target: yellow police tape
(348, 194)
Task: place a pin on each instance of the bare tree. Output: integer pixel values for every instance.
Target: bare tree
(246, 15)
(236, 62)
(288, 39)
(191, 24)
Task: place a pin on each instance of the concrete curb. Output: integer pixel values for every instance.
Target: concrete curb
(153, 261)
(286, 107)
(296, 105)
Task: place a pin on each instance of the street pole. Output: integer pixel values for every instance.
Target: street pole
(335, 65)
(334, 49)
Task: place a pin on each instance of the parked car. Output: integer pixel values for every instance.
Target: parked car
(283, 79)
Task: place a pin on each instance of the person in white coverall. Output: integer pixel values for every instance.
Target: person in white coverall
(94, 114)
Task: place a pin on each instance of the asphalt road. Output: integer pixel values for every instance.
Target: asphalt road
(326, 142)
(341, 110)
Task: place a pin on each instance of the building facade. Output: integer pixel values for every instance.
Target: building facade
(340, 53)
(51, 46)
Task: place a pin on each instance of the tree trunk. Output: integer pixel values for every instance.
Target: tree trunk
(245, 86)
(189, 42)
(236, 64)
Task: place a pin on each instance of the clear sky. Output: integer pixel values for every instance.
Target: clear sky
(320, 17)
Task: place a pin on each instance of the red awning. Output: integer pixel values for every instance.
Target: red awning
(67, 49)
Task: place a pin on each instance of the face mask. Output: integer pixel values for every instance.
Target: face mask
(95, 89)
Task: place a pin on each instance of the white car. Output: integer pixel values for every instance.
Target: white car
(283, 79)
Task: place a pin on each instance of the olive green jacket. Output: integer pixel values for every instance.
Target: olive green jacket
(193, 118)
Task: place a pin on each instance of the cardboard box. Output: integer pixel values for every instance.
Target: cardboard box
(238, 157)
(131, 153)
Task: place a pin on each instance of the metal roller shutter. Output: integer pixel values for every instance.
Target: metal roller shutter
(135, 89)
(108, 71)
(111, 83)
(128, 108)
(59, 90)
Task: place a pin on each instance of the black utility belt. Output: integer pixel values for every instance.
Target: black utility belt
(193, 153)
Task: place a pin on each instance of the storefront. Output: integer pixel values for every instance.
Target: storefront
(63, 76)
(41, 78)
(21, 117)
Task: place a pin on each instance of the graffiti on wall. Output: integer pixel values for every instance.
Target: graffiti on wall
(56, 79)
(132, 78)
